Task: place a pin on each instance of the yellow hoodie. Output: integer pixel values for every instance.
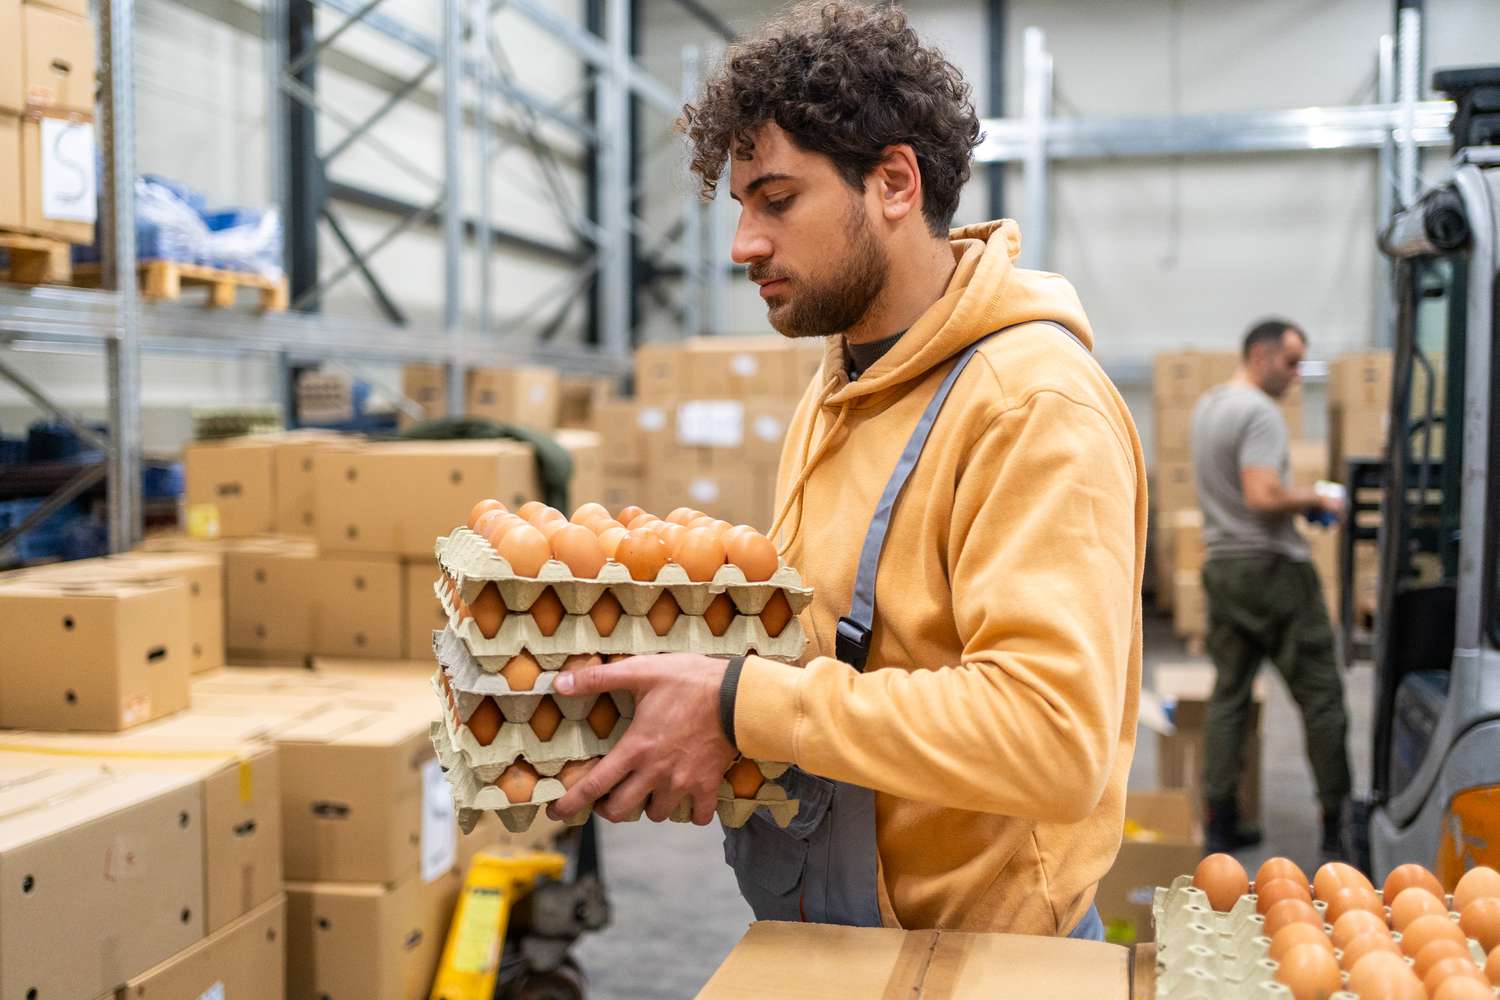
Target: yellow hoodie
(996, 719)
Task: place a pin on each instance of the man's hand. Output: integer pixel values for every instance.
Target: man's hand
(1332, 504)
(674, 747)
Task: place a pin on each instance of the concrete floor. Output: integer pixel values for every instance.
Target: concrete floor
(677, 912)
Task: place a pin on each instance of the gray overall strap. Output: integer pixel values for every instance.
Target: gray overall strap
(852, 638)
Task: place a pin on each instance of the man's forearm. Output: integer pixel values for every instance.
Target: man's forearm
(1288, 501)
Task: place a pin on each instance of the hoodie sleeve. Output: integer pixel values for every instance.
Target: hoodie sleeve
(1044, 572)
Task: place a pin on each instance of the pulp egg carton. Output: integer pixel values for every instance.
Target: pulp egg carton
(576, 633)
(472, 562)
(469, 684)
(574, 740)
(473, 797)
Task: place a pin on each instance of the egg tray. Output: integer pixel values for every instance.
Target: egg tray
(470, 560)
(573, 740)
(1202, 954)
(519, 707)
(632, 634)
(473, 797)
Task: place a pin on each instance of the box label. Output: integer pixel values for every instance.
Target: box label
(203, 520)
(713, 423)
(744, 365)
(68, 179)
(125, 858)
(703, 490)
(439, 824)
(214, 992)
(769, 428)
(651, 418)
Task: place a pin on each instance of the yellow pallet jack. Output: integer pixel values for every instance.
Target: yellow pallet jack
(516, 918)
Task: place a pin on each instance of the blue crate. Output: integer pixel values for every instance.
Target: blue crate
(162, 480)
(48, 540)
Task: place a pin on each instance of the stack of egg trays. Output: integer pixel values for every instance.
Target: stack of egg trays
(469, 561)
(460, 683)
(1201, 953)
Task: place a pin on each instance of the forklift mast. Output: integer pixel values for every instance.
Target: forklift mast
(1436, 647)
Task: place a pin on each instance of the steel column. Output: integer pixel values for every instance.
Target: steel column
(692, 219)
(995, 11)
(303, 199)
(479, 26)
(453, 204)
(612, 98)
(1409, 54)
(1385, 196)
(1037, 103)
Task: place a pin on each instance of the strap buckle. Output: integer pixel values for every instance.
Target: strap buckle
(852, 642)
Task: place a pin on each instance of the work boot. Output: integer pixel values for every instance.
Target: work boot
(1225, 833)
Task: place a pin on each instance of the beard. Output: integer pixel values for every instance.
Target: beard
(817, 308)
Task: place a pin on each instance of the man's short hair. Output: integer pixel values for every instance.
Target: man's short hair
(1270, 331)
(847, 81)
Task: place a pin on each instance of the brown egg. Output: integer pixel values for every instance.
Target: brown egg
(518, 782)
(483, 507)
(548, 612)
(609, 540)
(777, 613)
(1481, 921)
(1424, 930)
(642, 553)
(545, 720)
(1290, 911)
(1353, 897)
(1385, 976)
(733, 531)
(488, 611)
(1275, 868)
(574, 770)
(754, 554)
(628, 514)
(1309, 972)
(548, 528)
(1476, 883)
(1364, 944)
(499, 528)
(1333, 875)
(699, 553)
(1357, 923)
(1446, 968)
(606, 613)
(1463, 988)
(1435, 952)
(672, 534)
(580, 660)
(1294, 934)
(531, 510)
(1492, 966)
(719, 614)
(1268, 894)
(641, 520)
(682, 515)
(1411, 903)
(588, 512)
(578, 548)
(1223, 881)
(485, 721)
(603, 716)
(521, 671)
(663, 613)
(526, 549)
(488, 520)
(1404, 877)
(744, 778)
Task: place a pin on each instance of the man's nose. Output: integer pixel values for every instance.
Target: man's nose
(750, 244)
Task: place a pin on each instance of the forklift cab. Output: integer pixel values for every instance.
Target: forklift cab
(1436, 767)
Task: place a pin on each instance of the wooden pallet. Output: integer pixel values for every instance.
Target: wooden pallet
(36, 260)
(163, 280)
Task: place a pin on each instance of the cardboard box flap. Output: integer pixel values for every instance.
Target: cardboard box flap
(854, 963)
(39, 798)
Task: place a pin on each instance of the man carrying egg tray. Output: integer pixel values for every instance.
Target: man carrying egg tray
(960, 752)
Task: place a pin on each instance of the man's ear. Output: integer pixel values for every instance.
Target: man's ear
(898, 182)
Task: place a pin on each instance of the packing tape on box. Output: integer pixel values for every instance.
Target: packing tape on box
(238, 754)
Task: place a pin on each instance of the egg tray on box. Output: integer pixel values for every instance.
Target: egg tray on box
(631, 634)
(471, 685)
(473, 797)
(573, 740)
(470, 560)
(1202, 954)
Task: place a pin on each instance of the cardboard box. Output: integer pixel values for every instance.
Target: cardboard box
(807, 354)
(59, 59)
(269, 588)
(620, 435)
(1309, 461)
(12, 87)
(579, 397)
(1354, 433)
(830, 962)
(1186, 527)
(245, 959)
(528, 396)
(295, 478)
(367, 942)
(623, 485)
(1179, 695)
(399, 498)
(59, 156)
(587, 451)
(423, 613)
(726, 495)
(100, 656)
(1173, 427)
(660, 372)
(425, 385)
(1189, 604)
(357, 607)
(11, 213)
(101, 875)
(740, 367)
(78, 8)
(1361, 381)
(1162, 840)
(230, 488)
(766, 423)
(1180, 378)
(1174, 487)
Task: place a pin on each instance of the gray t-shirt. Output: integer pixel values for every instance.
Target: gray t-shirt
(1234, 426)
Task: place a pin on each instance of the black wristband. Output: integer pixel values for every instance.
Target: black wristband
(727, 691)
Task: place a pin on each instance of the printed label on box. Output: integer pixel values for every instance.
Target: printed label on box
(68, 179)
(203, 520)
(704, 490)
(439, 824)
(769, 428)
(214, 992)
(712, 423)
(137, 710)
(744, 365)
(651, 418)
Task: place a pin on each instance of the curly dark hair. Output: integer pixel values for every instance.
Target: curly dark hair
(846, 81)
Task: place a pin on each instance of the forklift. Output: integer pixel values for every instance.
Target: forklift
(1435, 796)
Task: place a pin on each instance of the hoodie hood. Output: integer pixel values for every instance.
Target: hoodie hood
(986, 293)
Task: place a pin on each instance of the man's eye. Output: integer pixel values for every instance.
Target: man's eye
(780, 205)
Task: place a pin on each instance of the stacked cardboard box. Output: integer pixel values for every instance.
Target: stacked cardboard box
(579, 396)
(47, 156)
(1359, 396)
(1176, 707)
(1162, 839)
(527, 395)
